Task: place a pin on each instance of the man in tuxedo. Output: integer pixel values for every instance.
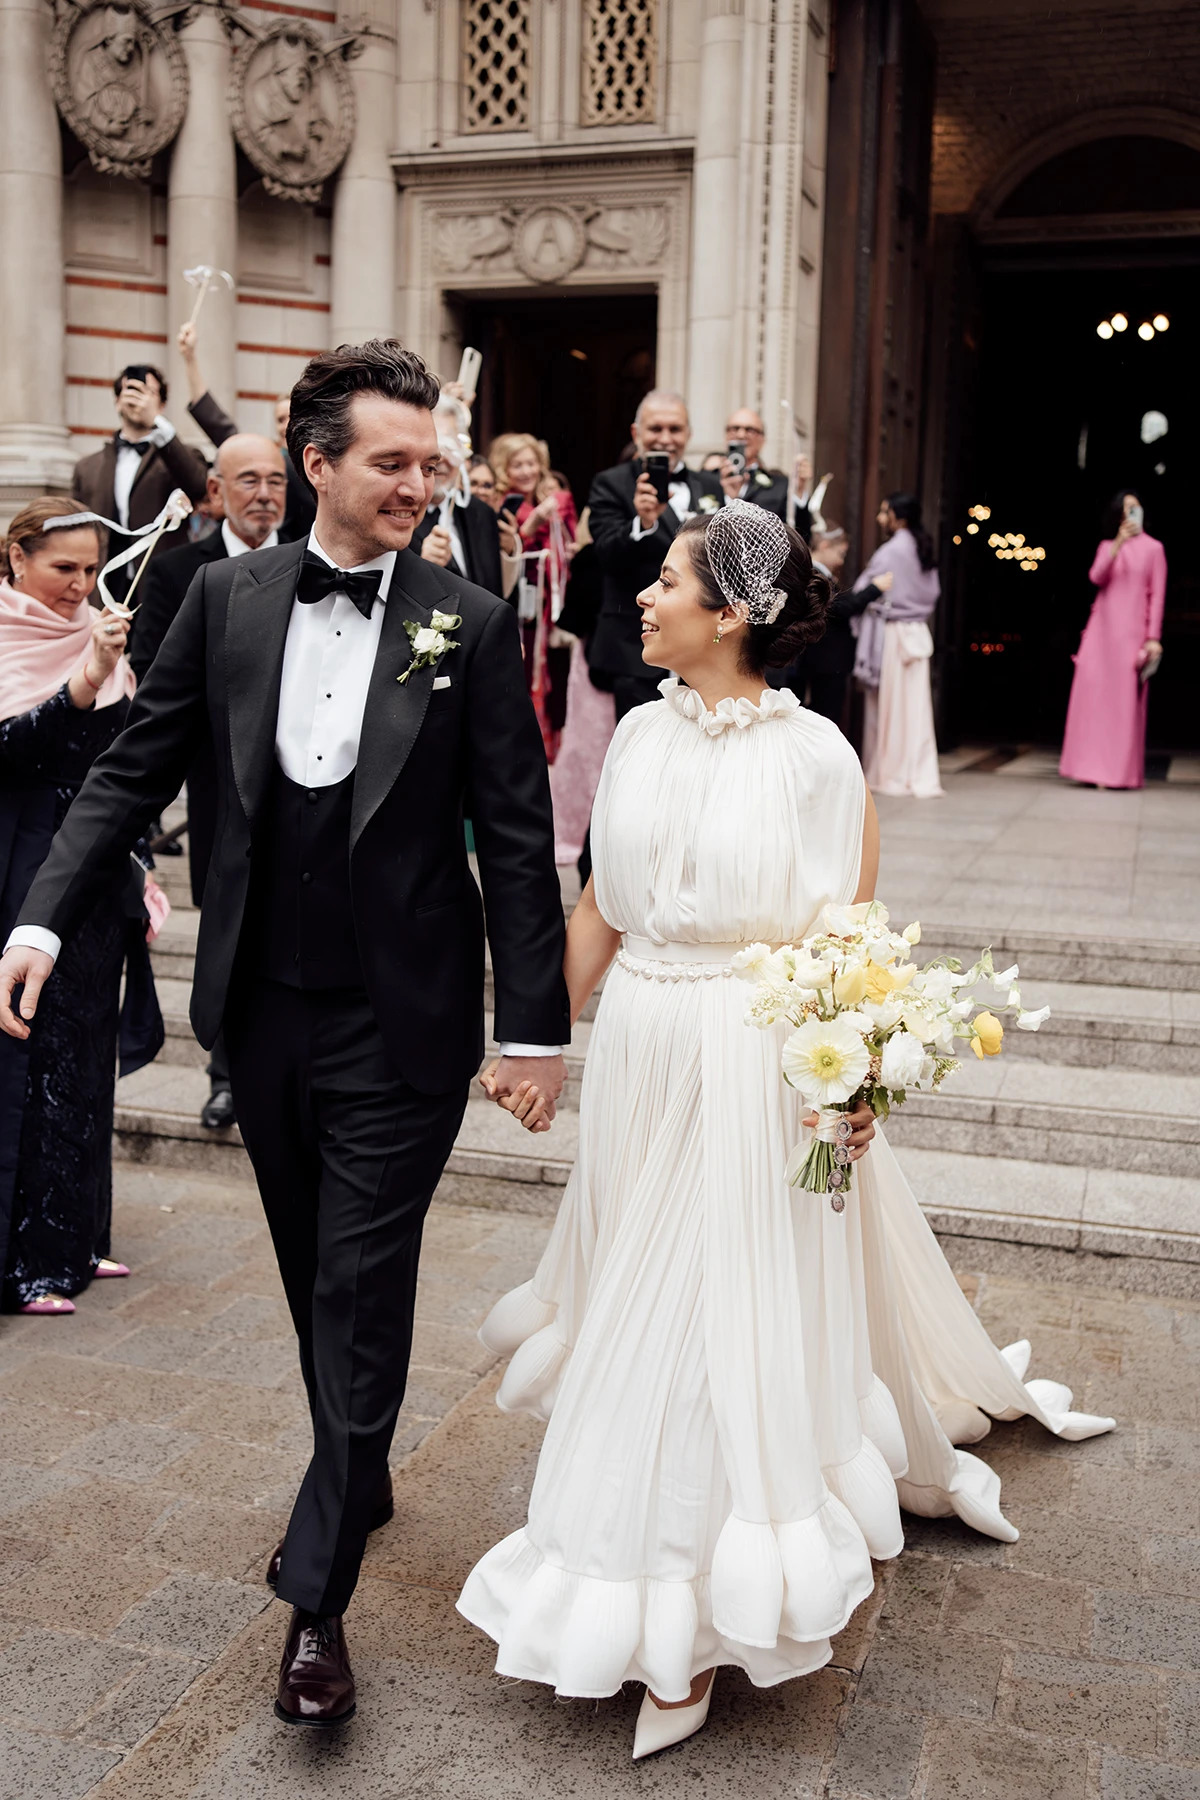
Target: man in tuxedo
(341, 941)
(248, 487)
(469, 540)
(133, 476)
(632, 530)
(754, 481)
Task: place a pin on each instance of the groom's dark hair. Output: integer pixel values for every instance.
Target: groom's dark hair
(320, 400)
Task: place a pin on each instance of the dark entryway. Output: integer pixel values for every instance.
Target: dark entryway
(567, 368)
(1064, 418)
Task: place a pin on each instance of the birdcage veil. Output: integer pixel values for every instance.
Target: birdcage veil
(747, 547)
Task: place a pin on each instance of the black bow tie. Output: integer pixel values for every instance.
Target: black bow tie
(139, 446)
(317, 579)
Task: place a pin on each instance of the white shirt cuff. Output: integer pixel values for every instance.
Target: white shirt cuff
(34, 937)
(639, 531)
(527, 1049)
(163, 431)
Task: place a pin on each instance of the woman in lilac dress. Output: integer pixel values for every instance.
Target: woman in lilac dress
(1105, 738)
(894, 650)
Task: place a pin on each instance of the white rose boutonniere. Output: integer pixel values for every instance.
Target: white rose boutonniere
(709, 503)
(761, 480)
(430, 642)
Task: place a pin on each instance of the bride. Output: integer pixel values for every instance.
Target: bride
(743, 1387)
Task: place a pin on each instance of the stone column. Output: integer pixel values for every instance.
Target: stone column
(363, 252)
(716, 235)
(202, 220)
(35, 454)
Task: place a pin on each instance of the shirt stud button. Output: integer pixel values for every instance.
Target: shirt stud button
(306, 877)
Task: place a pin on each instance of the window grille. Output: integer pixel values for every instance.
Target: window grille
(495, 55)
(619, 57)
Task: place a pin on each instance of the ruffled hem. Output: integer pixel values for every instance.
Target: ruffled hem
(585, 1636)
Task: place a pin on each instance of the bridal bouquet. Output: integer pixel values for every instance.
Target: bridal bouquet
(870, 1024)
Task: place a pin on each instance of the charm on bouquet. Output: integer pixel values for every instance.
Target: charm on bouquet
(870, 1024)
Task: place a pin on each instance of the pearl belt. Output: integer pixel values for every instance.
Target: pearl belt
(676, 962)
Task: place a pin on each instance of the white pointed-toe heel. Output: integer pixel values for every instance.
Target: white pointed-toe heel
(658, 1727)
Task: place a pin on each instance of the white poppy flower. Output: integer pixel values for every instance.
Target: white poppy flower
(826, 1061)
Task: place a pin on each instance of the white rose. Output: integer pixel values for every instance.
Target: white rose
(751, 961)
(905, 1062)
(428, 642)
(445, 621)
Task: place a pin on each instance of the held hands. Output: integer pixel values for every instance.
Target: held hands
(18, 966)
(862, 1120)
(646, 503)
(526, 1086)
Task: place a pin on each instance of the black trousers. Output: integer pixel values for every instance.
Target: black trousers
(346, 1156)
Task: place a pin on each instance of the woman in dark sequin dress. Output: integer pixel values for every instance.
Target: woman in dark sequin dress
(64, 694)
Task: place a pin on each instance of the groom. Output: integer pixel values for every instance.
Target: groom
(342, 935)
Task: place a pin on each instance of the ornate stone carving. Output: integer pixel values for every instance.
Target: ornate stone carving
(292, 107)
(620, 54)
(495, 65)
(120, 81)
(547, 241)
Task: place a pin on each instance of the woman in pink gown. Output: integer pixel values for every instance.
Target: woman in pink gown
(1105, 738)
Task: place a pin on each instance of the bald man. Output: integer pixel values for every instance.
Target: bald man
(248, 486)
(752, 481)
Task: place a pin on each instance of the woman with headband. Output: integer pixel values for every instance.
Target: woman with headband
(742, 1385)
(65, 687)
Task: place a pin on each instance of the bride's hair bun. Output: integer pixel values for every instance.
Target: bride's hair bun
(801, 620)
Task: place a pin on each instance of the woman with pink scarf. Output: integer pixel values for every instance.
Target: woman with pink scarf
(65, 687)
(892, 661)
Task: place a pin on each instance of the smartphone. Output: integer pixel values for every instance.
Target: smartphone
(1136, 516)
(735, 456)
(512, 503)
(657, 465)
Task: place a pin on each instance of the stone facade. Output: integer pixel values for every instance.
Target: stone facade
(514, 146)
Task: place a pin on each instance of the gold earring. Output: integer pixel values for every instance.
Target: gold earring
(717, 639)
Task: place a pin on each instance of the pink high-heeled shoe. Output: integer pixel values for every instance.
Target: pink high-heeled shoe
(46, 1305)
(108, 1270)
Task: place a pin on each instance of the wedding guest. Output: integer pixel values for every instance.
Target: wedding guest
(65, 685)
(632, 530)
(892, 662)
(460, 532)
(753, 481)
(1105, 738)
(217, 425)
(590, 714)
(483, 481)
(131, 478)
(247, 490)
(544, 515)
(820, 674)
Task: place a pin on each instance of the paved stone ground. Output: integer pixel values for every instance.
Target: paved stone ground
(149, 1447)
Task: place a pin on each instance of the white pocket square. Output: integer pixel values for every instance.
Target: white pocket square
(440, 681)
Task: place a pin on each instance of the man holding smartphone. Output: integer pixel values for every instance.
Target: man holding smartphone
(635, 509)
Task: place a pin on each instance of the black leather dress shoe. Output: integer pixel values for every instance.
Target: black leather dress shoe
(217, 1113)
(382, 1511)
(316, 1685)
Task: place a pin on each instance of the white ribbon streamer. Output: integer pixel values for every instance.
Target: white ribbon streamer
(145, 537)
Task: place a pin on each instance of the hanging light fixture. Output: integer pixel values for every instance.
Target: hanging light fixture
(1161, 322)
(1104, 329)
(1120, 322)
(1145, 331)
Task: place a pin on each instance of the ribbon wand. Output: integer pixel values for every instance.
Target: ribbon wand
(173, 514)
(202, 278)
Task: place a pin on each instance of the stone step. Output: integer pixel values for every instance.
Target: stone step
(1052, 956)
(1099, 1118)
(1097, 1027)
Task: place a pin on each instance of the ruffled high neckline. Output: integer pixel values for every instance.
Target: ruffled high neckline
(776, 703)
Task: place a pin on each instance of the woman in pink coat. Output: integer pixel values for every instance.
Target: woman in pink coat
(1105, 738)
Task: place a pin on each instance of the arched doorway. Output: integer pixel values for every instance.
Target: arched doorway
(1076, 392)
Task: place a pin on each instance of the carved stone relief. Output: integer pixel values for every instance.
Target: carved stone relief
(120, 81)
(548, 241)
(292, 107)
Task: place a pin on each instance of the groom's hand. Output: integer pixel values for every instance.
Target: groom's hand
(526, 1086)
(30, 968)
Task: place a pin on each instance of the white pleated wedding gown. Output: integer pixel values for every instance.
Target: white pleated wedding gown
(743, 1387)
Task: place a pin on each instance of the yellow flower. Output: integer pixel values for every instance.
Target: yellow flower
(850, 988)
(883, 980)
(987, 1035)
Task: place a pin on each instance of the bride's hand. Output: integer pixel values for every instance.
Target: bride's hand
(862, 1121)
(527, 1103)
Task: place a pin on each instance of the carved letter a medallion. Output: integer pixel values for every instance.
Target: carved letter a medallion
(548, 242)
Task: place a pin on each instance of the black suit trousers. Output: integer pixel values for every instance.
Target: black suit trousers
(346, 1155)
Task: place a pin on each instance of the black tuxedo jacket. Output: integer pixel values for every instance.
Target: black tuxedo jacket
(626, 567)
(425, 758)
(479, 535)
(161, 593)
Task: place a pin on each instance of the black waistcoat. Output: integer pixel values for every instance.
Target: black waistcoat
(299, 921)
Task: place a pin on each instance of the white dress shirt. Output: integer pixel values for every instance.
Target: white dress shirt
(328, 659)
(236, 546)
(129, 461)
